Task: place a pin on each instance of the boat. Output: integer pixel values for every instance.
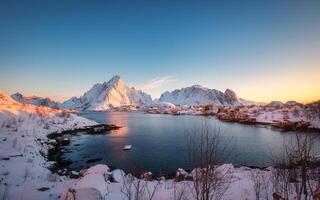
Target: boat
(127, 147)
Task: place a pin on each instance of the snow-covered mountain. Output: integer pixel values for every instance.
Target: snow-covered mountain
(39, 101)
(6, 99)
(106, 95)
(197, 95)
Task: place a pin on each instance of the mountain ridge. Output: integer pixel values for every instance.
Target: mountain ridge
(107, 95)
(35, 100)
(197, 95)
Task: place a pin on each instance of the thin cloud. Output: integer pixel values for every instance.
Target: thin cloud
(158, 82)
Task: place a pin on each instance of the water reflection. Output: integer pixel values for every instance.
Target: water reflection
(120, 120)
(158, 142)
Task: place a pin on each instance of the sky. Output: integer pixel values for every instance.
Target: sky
(263, 50)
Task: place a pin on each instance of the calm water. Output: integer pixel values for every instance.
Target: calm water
(158, 142)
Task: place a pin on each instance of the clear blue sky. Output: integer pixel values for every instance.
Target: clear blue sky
(261, 49)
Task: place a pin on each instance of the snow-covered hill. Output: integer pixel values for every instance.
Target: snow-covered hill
(39, 101)
(23, 135)
(6, 99)
(197, 95)
(106, 95)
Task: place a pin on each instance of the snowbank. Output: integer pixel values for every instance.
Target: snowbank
(23, 130)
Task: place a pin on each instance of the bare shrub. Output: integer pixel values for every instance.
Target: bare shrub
(206, 147)
(261, 183)
(296, 172)
(63, 114)
(180, 191)
(312, 110)
(46, 126)
(137, 188)
(3, 189)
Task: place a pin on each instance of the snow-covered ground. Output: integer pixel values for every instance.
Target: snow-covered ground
(275, 112)
(96, 182)
(24, 173)
(23, 128)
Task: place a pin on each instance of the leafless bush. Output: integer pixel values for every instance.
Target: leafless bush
(46, 126)
(3, 189)
(261, 184)
(137, 188)
(312, 110)
(152, 189)
(297, 169)
(206, 147)
(63, 114)
(14, 143)
(180, 191)
(26, 174)
(9, 123)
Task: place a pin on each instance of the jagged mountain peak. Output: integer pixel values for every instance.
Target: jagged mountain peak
(115, 79)
(108, 94)
(230, 96)
(199, 87)
(197, 95)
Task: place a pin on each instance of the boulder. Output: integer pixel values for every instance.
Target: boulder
(117, 175)
(90, 187)
(93, 185)
(181, 175)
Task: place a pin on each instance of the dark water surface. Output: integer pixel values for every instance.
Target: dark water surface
(158, 142)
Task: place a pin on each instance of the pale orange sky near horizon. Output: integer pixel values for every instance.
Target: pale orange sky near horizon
(299, 87)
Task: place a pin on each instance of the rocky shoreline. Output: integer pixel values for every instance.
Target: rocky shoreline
(58, 140)
(294, 118)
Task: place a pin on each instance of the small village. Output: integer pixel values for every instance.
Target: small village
(286, 116)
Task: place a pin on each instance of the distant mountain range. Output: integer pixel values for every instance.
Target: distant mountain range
(39, 101)
(115, 93)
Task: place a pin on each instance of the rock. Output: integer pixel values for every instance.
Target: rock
(52, 142)
(74, 173)
(147, 176)
(181, 175)
(83, 194)
(277, 196)
(117, 175)
(97, 169)
(91, 187)
(42, 189)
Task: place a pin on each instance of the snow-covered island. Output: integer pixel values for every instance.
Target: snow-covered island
(287, 116)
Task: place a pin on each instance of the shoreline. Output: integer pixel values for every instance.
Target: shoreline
(61, 166)
(32, 171)
(272, 125)
(58, 140)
